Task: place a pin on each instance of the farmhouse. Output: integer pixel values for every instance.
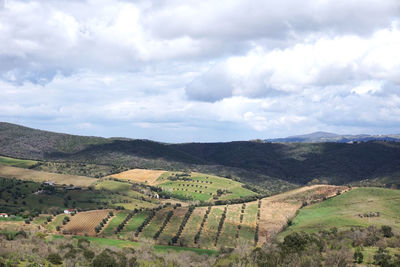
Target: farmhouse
(68, 211)
(3, 215)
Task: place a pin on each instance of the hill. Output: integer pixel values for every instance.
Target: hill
(318, 137)
(276, 166)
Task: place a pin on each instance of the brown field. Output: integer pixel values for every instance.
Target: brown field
(139, 175)
(276, 210)
(85, 222)
(39, 176)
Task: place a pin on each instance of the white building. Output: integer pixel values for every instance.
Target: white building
(3, 215)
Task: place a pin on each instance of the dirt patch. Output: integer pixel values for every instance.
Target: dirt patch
(139, 175)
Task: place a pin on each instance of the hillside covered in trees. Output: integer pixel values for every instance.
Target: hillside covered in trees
(265, 164)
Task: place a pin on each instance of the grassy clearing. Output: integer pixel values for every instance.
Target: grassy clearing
(113, 186)
(115, 221)
(343, 211)
(38, 176)
(202, 187)
(20, 163)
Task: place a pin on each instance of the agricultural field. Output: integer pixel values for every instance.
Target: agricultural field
(275, 211)
(209, 232)
(172, 227)
(134, 223)
(39, 176)
(155, 224)
(230, 227)
(114, 222)
(362, 207)
(83, 223)
(20, 163)
(139, 175)
(202, 187)
(248, 225)
(56, 221)
(192, 227)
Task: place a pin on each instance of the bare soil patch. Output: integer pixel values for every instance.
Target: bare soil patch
(139, 175)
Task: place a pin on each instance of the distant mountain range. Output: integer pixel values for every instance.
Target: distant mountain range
(321, 137)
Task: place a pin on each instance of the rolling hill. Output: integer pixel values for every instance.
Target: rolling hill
(276, 166)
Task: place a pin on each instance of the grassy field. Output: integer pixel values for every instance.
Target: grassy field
(57, 221)
(114, 222)
(248, 226)
(172, 227)
(20, 163)
(149, 231)
(134, 223)
(202, 187)
(192, 226)
(209, 232)
(227, 237)
(38, 176)
(124, 243)
(343, 211)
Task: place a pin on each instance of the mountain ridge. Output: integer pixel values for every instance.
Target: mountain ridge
(320, 137)
(264, 164)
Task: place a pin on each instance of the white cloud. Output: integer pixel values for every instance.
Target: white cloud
(201, 70)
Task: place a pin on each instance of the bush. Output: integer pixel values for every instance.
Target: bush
(387, 231)
(54, 258)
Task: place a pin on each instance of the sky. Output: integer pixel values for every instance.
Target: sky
(201, 71)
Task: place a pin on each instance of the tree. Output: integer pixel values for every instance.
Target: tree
(387, 231)
(54, 258)
(358, 256)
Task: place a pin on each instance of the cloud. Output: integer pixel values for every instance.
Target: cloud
(201, 70)
(348, 59)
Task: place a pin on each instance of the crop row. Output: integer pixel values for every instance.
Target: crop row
(174, 239)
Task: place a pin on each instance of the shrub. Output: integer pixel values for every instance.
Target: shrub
(387, 231)
(54, 258)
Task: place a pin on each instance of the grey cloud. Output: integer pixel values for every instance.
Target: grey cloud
(210, 87)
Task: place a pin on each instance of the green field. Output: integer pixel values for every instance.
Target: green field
(113, 224)
(57, 221)
(209, 232)
(343, 211)
(134, 223)
(172, 227)
(155, 224)
(20, 163)
(202, 187)
(227, 237)
(124, 243)
(192, 226)
(113, 186)
(247, 230)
